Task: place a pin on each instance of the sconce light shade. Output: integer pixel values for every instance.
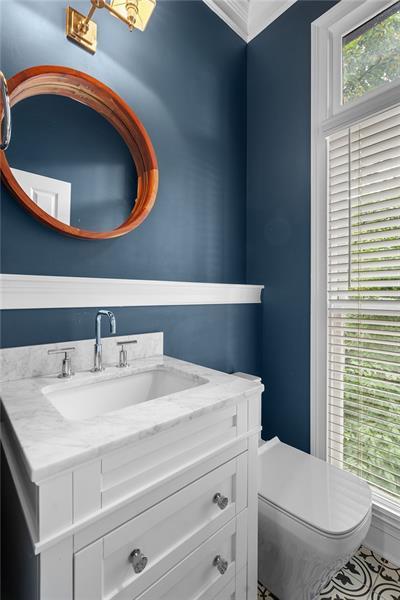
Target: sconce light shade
(83, 30)
(138, 12)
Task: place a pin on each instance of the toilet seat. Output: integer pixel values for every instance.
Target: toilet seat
(318, 532)
(322, 497)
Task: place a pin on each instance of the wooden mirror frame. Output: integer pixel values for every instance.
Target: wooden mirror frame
(79, 86)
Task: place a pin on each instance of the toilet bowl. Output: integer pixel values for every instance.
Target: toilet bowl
(312, 517)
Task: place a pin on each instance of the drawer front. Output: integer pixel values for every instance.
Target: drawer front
(228, 593)
(198, 577)
(165, 534)
(160, 457)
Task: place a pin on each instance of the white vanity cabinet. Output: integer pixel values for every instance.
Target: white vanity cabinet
(170, 517)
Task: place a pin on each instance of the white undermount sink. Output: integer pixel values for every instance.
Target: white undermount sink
(77, 402)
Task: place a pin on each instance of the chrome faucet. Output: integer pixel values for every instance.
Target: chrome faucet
(98, 358)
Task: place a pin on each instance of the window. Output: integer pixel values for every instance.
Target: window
(364, 301)
(355, 245)
(371, 54)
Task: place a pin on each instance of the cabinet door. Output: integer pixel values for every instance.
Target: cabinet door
(164, 534)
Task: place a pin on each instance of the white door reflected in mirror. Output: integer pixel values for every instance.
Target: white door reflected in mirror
(51, 195)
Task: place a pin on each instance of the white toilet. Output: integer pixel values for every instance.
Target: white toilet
(312, 517)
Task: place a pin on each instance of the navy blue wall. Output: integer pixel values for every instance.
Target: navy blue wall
(278, 213)
(223, 337)
(185, 77)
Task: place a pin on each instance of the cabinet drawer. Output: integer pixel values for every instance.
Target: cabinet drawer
(228, 592)
(198, 578)
(165, 534)
(159, 458)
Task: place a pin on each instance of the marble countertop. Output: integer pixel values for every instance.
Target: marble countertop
(51, 443)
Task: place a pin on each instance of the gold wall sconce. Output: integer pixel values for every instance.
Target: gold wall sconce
(83, 31)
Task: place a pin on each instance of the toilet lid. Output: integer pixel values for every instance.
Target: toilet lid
(323, 496)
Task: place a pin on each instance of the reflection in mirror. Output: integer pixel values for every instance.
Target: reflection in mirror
(72, 163)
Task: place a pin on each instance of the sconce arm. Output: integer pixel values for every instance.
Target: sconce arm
(84, 25)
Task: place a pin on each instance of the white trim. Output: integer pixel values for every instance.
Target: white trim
(384, 533)
(38, 291)
(250, 17)
(232, 13)
(318, 355)
(260, 16)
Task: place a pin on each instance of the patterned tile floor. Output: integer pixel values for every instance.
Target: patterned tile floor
(366, 576)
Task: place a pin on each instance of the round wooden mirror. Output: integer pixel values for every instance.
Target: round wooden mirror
(110, 109)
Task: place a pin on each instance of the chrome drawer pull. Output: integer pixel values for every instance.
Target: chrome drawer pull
(221, 564)
(138, 560)
(220, 500)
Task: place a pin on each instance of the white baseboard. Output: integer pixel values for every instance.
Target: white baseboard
(39, 291)
(384, 534)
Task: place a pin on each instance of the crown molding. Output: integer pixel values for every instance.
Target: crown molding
(248, 18)
(234, 13)
(262, 13)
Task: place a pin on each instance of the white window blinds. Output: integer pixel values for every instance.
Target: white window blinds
(364, 301)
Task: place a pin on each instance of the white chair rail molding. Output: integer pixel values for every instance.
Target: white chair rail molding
(40, 291)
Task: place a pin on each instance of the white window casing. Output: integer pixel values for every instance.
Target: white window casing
(355, 262)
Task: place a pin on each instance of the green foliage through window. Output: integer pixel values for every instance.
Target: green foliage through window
(371, 54)
(371, 400)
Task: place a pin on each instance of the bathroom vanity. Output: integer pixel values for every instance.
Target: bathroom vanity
(137, 482)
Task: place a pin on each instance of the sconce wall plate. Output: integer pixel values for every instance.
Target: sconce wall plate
(85, 37)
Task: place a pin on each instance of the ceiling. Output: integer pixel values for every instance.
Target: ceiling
(248, 17)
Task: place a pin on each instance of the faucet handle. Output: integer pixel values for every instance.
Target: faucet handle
(66, 367)
(123, 354)
(61, 350)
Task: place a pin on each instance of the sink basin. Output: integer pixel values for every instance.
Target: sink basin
(77, 402)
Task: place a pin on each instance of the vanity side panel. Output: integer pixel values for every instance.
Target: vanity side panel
(28, 492)
(19, 565)
(56, 572)
(55, 505)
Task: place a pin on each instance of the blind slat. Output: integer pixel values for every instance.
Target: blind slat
(363, 300)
